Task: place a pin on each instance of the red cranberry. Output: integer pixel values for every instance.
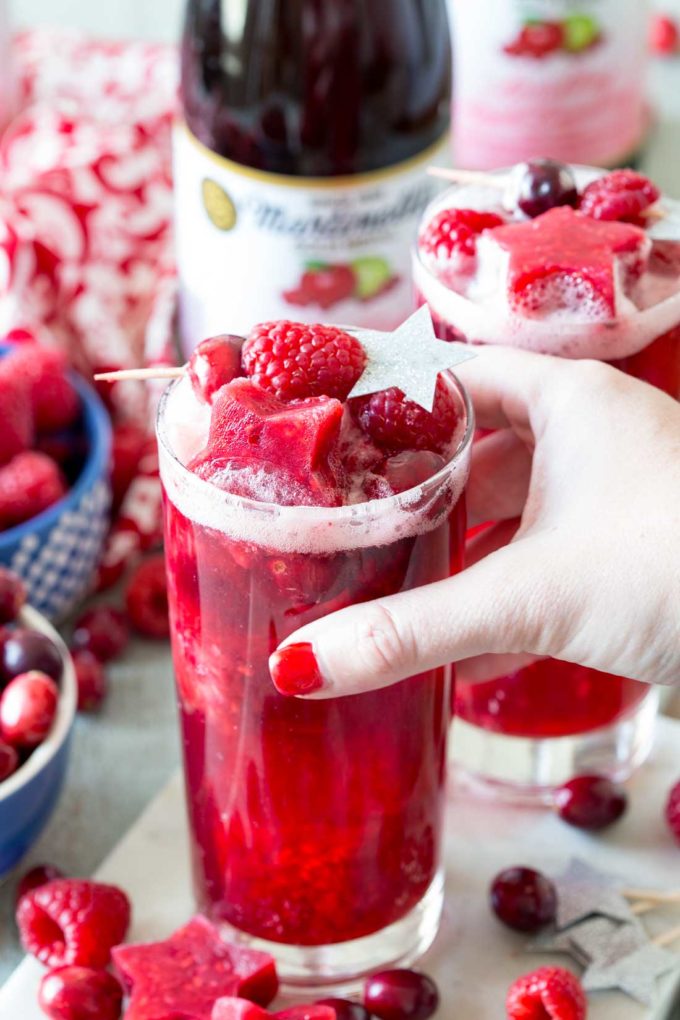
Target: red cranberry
(12, 595)
(544, 184)
(9, 760)
(590, 802)
(80, 993)
(146, 598)
(41, 874)
(23, 650)
(401, 995)
(214, 363)
(523, 899)
(91, 680)
(103, 631)
(27, 709)
(345, 1009)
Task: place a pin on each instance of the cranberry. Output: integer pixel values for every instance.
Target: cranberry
(9, 760)
(214, 363)
(523, 899)
(91, 680)
(80, 993)
(543, 184)
(672, 811)
(41, 874)
(103, 631)
(345, 1009)
(12, 595)
(23, 650)
(401, 995)
(146, 598)
(590, 802)
(27, 709)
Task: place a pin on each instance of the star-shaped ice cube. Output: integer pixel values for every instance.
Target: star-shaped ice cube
(583, 891)
(409, 358)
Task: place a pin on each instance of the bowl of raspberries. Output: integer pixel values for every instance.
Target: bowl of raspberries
(38, 696)
(55, 444)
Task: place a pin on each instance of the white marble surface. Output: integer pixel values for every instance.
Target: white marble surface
(474, 959)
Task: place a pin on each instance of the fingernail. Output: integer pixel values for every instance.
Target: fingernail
(294, 669)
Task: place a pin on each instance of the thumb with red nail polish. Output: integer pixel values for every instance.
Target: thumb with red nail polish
(294, 669)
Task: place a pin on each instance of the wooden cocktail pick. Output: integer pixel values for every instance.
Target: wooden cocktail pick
(159, 372)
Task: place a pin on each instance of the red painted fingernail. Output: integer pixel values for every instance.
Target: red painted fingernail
(294, 669)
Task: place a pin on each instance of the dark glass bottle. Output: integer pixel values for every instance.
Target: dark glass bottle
(300, 164)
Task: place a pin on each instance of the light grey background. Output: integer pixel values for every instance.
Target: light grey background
(141, 19)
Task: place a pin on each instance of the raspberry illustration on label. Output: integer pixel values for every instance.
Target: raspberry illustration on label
(326, 284)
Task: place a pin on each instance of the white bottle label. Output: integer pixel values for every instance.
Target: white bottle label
(253, 246)
(559, 78)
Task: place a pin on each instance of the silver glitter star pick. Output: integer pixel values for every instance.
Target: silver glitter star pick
(410, 358)
(634, 973)
(583, 891)
(602, 940)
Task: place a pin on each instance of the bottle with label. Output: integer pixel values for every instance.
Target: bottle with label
(300, 162)
(560, 78)
(7, 83)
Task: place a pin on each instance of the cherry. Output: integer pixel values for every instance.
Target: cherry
(345, 1009)
(9, 760)
(27, 709)
(523, 899)
(103, 631)
(91, 680)
(80, 993)
(41, 874)
(543, 184)
(590, 802)
(401, 995)
(215, 362)
(12, 595)
(146, 598)
(23, 650)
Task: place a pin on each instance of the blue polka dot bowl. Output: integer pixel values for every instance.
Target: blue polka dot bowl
(57, 551)
(29, 796)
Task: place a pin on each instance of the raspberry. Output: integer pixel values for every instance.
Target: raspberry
(12, 595)
(29, 484)
(325, 286)
(54, 401)
(146, 598)
(16, 434)
(673, 811)
(454, 232)
(664, 35)
(103, 631)
(91, 680)
(396, 423)
(80, 993)
(293, 360)
(73, 921)
(549, 993)
(620, 195)
(126, 451)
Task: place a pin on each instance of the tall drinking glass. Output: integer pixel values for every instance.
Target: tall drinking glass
(315, 824)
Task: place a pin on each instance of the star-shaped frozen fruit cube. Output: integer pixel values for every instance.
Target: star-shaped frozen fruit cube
(261, 447)
(188, 972)
(568, 263)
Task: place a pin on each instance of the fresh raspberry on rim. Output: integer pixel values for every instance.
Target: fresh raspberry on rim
(396, 423)
(453, 233)
(73, 921)
(621, 195)
(293, 360)
(673, 811)
(549, 993)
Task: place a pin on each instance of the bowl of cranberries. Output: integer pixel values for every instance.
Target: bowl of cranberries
(55, 445)
(38, 696)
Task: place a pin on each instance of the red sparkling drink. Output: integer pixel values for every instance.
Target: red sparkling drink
(314, 823)
(495, 291)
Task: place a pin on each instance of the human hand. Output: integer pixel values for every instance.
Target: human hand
(582, 476)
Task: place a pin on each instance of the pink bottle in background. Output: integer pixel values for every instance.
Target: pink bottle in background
(548, 77)
(7, 85)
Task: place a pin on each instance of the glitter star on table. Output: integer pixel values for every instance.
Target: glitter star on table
(583, 891)
(634, 973)
(410, 358)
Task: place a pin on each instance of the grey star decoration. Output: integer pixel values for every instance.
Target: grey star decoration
(583, 891)
(602, 940)
(409, 358)
(634, 973)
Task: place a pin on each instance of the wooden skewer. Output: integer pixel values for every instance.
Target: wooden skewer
(643, 907)
(160, 372)
(468, 177)
(667, 937)
(652, 895)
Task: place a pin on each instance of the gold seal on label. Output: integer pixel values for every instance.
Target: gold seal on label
(219, 207)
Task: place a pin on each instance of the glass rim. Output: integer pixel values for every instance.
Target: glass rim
(368, 509)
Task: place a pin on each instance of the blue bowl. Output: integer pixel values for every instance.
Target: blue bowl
(57, 552)
(28, 797)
